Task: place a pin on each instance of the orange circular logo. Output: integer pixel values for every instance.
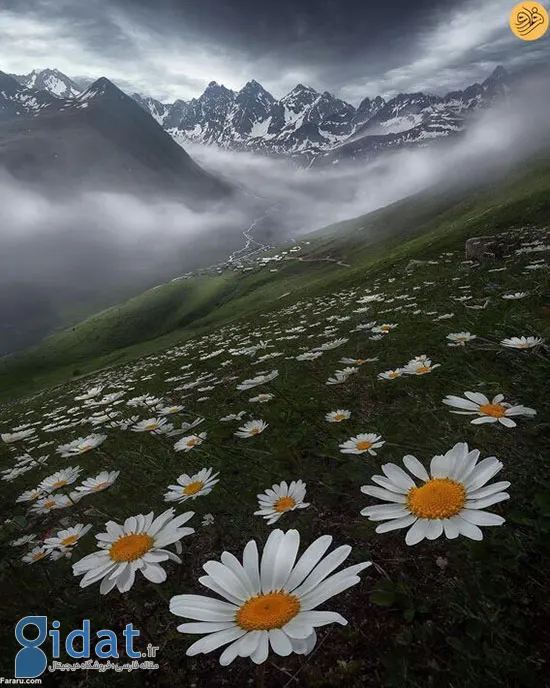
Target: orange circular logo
(529, 21)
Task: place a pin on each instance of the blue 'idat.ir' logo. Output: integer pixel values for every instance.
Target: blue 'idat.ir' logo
(31, 661)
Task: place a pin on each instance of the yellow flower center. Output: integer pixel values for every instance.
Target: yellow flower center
(494, 410)
(254, 431)
(338, 417)
(284, 504)
(58, 483)
(131, 547)
(394, 374)
(69, 540)
(364, 445)
(385, 328)
(151, 426)
(49, 505)
(265, 612)
(193, 442)
(438, 498)
(193, 488)
(38, 555)
(101, 486)
(423, 369)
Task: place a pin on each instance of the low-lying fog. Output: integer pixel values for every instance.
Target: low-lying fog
(93, 249)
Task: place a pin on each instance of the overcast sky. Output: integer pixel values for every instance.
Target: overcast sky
(173, 48)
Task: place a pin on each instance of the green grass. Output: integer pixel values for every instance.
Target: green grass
(443, 613)
(174, 311)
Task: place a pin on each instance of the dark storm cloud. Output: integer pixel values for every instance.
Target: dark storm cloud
(174, 48)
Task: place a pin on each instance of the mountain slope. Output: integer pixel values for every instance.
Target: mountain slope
(103, 139)
(333, 256)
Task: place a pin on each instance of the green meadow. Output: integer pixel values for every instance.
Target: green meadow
(462, 612)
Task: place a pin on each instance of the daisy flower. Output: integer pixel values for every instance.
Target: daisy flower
(338, 416)
(151, 425)
(191, 487)
(101, 482)
(449, 501)
(460, 338)
(81, 445)
(136, 545)
(390, 374)
(189, 442)
(36, 554)
(23, 540)
(339, 378)
(90, 394)
(309, 356)
(10, 437)
(365, 442)
(262, 398)
(30, 495)
(268, 601)
(370, 298)
(251, 428)
(259, 380)
(420, 366)
(68, 537)
(62, 478)
(47, 504)
(233, 416)
(515, 296)
(384, 329)
(281, 498)
(168, 410)
(495, 411)
(522, 342)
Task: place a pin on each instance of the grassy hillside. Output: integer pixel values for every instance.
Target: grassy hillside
(177, 310)
(463, 612)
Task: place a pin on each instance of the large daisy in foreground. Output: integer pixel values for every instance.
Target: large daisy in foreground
(268, 601)
(138, 544)
(449, 501)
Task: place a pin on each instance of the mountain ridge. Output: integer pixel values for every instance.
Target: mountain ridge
(312, 126)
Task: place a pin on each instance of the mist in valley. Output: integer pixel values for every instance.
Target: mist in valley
(67, 255)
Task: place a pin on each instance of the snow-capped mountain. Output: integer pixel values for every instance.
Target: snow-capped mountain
(157, 109)
(51, 80)
(315, 128)
(411, 119)
(18, 101)
(309, 125)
